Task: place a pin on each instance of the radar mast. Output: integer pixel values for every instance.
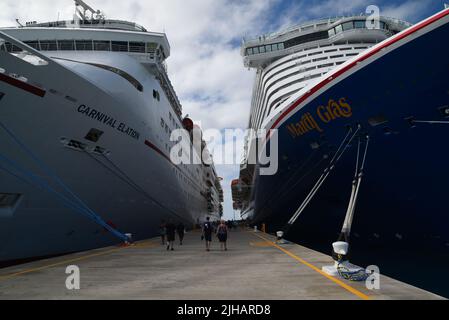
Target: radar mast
(82, 10)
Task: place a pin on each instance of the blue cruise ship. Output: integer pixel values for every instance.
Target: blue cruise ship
(362, 115)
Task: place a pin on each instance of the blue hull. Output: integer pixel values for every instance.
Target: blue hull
(402, 216)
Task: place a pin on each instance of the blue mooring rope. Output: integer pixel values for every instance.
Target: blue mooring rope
(80, 207)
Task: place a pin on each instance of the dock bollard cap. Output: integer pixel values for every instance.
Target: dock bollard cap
(341, 247)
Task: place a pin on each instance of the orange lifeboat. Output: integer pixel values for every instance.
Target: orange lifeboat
(188, 124)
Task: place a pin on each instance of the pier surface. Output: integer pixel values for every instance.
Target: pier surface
(254, 268)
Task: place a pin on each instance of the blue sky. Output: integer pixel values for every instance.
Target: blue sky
(205, 35)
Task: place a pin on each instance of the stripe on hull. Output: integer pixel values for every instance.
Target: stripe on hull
(22, 85)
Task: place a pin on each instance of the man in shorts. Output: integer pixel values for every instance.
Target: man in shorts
(207, 233)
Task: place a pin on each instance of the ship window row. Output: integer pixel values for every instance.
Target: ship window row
(267, 76)
(85, 45)
(357, 24)
(289, 84)
(289, 43)
(316, 36)
(265, 48)
(326, 65)
(276, 101)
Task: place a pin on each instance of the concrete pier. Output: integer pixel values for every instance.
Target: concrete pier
(253, 268)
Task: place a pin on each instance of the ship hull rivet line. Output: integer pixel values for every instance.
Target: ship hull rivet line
(340, 253)
(337, 156)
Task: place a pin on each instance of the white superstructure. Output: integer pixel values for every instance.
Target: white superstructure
(286, 62)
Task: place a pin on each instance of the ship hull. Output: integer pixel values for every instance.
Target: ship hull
(131, 187)
(402, 211)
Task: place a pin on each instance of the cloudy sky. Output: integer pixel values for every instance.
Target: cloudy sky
(205, 36)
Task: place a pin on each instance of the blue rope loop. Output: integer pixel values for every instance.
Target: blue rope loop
(358, 275)
(76, 204)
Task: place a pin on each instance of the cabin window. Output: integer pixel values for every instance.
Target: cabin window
(138, 47)
(348, 26)
(83, 45)
(102, 46)
(33, 44)
(119, 46)
(151, 47)
(156, 95)
(360, 24)
(338, 29)
(332, 32)
(66, 45)
(49, 45)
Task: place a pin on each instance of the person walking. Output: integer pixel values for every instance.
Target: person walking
(162, 231)
(171, 231)
(222, 235)
(207, 233)
(181, 231)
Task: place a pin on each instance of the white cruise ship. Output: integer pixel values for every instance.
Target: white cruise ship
(86, 115)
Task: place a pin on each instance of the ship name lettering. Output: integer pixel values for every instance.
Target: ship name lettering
(334, 110)
(108, 120)
(306, 124)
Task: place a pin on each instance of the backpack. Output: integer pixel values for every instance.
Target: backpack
(207, 227)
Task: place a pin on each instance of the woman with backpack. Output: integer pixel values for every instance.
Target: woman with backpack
(222, 234)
